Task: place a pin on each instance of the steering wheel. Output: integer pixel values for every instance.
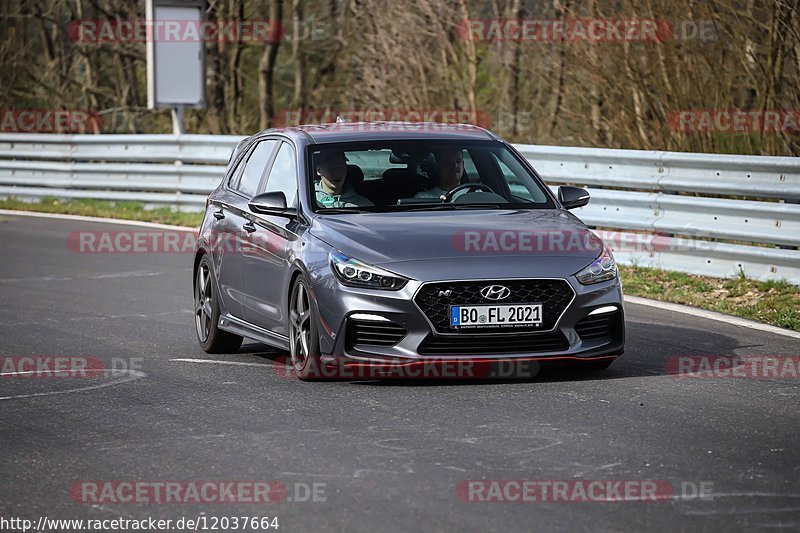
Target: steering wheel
(469, 187)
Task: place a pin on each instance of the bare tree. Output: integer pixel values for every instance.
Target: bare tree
(266, 69)
(374, 54)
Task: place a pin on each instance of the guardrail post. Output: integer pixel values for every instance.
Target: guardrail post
(790, 201)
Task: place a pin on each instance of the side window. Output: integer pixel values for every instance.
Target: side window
(254, 168)
(283, 176)
(520, 184)
(229, 170)
(233, 182)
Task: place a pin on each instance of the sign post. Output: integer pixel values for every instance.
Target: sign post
(175, 57)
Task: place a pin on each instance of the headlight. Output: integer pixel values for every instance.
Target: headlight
(355, 273)
(603, 268)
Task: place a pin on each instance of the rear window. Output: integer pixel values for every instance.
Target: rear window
(373, 162)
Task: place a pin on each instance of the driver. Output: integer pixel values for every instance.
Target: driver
(449, 169)
(332, 189)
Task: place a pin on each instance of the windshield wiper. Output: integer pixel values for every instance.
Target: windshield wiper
(451, 207)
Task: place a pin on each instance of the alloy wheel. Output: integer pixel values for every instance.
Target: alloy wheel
(202, 302)
(300, 327)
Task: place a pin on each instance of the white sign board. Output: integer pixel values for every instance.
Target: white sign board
(175, 54)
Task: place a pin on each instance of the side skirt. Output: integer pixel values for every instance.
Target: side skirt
(241, 327)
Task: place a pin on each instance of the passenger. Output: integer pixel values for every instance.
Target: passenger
(449, 169)
(332, 189)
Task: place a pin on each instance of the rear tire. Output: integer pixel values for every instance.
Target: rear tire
(303, 333)
(206, 314)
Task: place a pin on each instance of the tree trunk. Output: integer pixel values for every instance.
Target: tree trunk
(298, 55)
(266, 70)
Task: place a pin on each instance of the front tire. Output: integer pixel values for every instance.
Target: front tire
(303, 333)
(206, 315)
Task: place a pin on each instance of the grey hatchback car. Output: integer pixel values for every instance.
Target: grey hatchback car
(401, 244)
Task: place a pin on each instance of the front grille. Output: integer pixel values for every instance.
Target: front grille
(374, 333)
(434, 300)
(595, 327)
(493, 344)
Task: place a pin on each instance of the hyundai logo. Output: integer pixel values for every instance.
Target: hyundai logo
(495, 292)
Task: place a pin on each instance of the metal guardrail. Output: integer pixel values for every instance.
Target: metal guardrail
(715, 214)
(154, 169)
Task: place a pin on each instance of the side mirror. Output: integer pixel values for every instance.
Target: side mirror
(271, 203)
(572, 197)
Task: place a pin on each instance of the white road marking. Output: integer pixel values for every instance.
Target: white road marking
(134, 274)
(758, 510)
(711, 315)
(596, 468)
(456, 468)
(216, 362)
(94, 318)
(133, 375)
(96, 219)
(47, 372)
(701, 498)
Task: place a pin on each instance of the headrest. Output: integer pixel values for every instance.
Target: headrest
(354, 174)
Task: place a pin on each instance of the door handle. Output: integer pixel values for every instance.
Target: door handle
(219, 215)
(249, 227)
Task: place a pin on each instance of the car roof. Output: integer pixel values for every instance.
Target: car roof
(370, 131)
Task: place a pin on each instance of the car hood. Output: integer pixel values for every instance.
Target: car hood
(540, 235)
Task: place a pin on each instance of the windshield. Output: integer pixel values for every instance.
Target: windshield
(386, 176)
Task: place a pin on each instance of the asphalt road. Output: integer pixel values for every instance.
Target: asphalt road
(389, 455)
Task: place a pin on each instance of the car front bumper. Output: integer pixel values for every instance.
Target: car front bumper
(338, 304)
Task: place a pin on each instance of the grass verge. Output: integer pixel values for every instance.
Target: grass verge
(104, 209)
(771, 302)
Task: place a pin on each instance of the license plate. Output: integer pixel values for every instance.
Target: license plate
(495, 316)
